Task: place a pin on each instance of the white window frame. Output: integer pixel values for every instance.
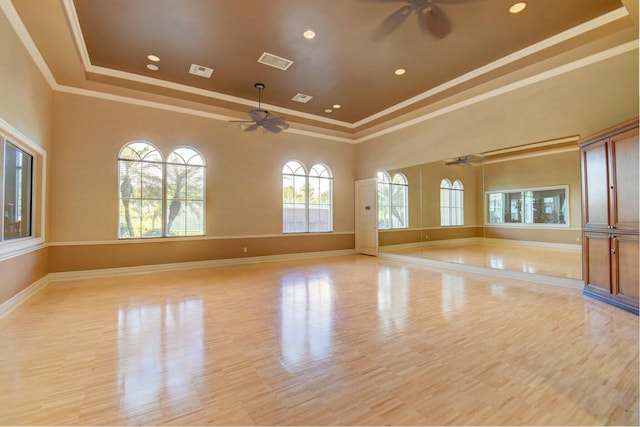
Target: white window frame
(451, 203)
(202, 165)
(290, 206)
(162, 162)
(387, 186)
(18, 246)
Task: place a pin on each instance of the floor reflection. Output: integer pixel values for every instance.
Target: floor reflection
(160, 349)
(453, 294)
(306, 318)
(550, 261)
(393, 299)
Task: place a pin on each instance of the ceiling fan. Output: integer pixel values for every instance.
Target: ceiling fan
(431, 17)
(261, 118)
(467, 160)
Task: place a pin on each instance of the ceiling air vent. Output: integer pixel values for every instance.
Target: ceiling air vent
(301, 97)
(200, 70)
(274, 61)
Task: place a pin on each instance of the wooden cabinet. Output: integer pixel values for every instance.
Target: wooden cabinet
(611, 215)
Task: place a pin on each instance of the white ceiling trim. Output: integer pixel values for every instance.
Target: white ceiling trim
(183, 110)
(537, 47)
(7, 7)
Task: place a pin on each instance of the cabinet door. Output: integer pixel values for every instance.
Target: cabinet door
(595, 186)
(625, 258)
(597, 261)
(625, 212)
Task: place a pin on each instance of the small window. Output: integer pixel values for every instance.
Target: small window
(307, 198)
(393, 201)
(451, 203)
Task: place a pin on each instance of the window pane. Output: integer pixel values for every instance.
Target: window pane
(140, 218)
(185, 182)
(140, 186)
(17, 192)
(294, 198)
(150, 218)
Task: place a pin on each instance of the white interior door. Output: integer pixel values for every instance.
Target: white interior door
(367, 216)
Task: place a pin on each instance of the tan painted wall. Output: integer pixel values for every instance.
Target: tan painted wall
(25, 103)
(144, 253)
(26, 97)
(244, 184)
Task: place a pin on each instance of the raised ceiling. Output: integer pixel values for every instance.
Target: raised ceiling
(104, 46)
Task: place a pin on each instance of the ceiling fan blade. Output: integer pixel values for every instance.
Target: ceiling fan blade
(271, 127)
(252, 127)
(391, 22)
(278, 121)
(435, 21)
(241, 121)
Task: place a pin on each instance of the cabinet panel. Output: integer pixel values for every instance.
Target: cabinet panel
(597, 265)
(595, 173)
(625, 267)
(624, 180)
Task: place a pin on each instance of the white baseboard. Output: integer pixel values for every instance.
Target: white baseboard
(13, 302)
(122, 271)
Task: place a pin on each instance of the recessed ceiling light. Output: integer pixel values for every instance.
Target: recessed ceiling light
(153, 58)
(309, 34)
(336, 106)
(517, 7)
(400, 71)
(328, 110)
(153, 67)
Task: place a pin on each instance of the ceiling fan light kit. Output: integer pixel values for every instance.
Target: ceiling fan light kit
(262, 118)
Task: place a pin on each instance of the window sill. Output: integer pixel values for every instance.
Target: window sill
(13, 248)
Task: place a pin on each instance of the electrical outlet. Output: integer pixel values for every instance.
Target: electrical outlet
(244, 249)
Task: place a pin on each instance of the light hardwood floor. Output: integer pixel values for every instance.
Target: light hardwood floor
(347, 340)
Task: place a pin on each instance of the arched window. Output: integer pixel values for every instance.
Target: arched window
(185, 193)
(140, 169)
(451, 203)
(307, 198)
(320, 199)
(159, 198)
(393, 201)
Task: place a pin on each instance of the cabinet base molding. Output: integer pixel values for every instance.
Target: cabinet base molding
(609, 300)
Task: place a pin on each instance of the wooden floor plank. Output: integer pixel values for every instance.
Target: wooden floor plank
(350, 340)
